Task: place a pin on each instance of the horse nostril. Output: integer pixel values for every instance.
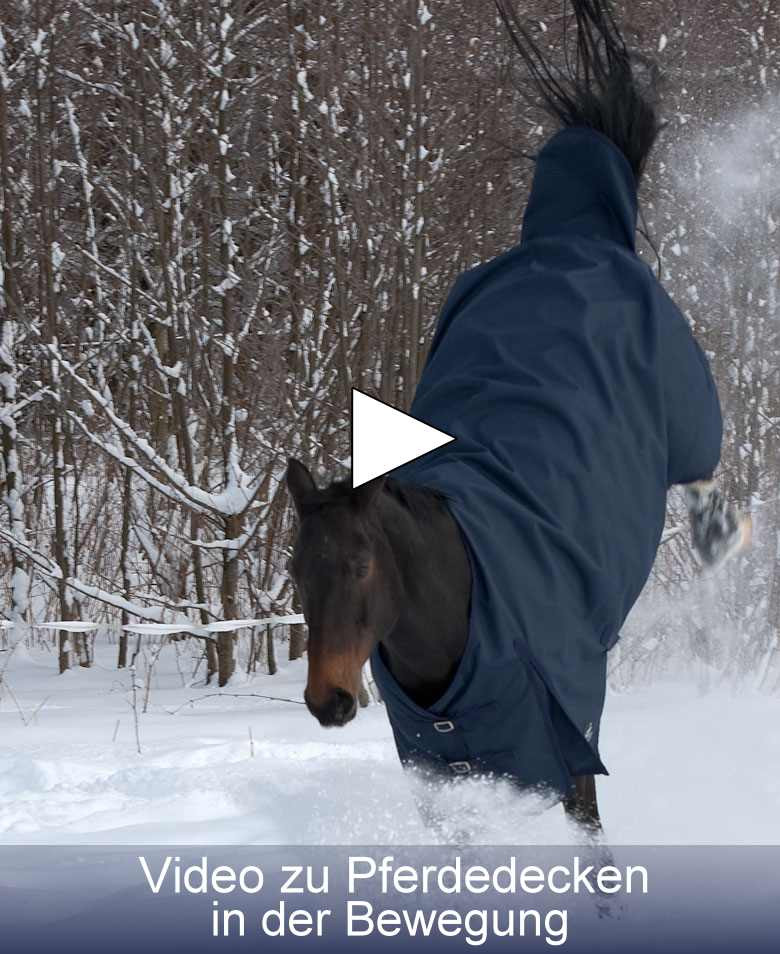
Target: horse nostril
(343, 706)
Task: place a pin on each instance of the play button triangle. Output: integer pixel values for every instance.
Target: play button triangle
(383, 438)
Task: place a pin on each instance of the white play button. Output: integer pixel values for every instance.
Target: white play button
(383, 438)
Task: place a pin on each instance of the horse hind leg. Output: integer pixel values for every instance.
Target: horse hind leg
(718, 528)
(581, 805)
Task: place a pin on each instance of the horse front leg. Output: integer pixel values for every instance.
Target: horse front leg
(581, 805)
(718, 529)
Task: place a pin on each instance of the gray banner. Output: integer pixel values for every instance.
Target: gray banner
(224, 898)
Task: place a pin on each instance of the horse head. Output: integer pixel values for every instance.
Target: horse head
(348, 583)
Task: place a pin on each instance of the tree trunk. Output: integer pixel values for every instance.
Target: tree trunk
(12, 492)
(270, 650)
(297, 641)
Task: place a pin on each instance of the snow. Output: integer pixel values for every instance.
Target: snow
(129, 28)
(37, 43)
(686, 768)
(224, 29)
(303, 83)
(57, 256)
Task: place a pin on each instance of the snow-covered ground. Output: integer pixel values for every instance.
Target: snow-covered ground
(686, 768)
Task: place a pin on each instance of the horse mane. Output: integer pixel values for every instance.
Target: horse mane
(422, 503)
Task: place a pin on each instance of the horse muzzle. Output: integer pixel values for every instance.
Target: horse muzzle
(338, 708)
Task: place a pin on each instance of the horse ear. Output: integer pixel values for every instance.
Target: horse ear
(300, 483)
(365, 495)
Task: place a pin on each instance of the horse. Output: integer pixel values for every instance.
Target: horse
(486, 581)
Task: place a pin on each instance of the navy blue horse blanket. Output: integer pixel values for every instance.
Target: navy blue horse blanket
(578, 396)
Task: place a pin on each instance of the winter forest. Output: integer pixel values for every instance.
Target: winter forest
(218, 217)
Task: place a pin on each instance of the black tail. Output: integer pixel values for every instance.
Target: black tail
(597, 86)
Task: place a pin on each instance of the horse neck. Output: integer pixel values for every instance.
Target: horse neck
(426, 644)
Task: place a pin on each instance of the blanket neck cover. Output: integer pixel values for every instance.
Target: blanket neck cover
(577, 395)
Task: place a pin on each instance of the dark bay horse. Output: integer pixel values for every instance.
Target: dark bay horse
(487, 581)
